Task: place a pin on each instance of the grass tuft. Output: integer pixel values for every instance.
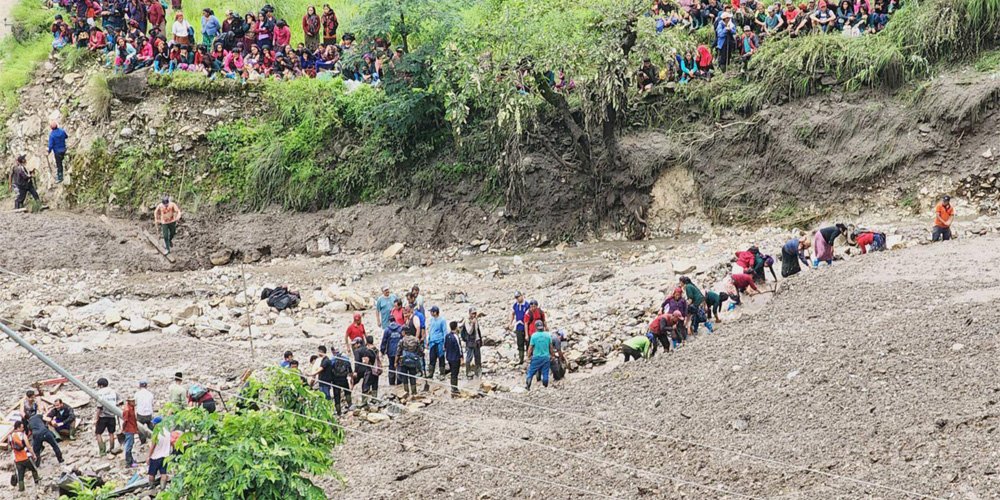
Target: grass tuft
(99, 95)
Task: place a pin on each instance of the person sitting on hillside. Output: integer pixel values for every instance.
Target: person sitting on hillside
(124, 55)
(823, 18)
(81, 33)
(803, 21)
(689, 68)
(705, 66)
(846, 20)
(775, 20)
(97, 40)
(647, 76)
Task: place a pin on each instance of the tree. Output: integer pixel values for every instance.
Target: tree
(280, 435)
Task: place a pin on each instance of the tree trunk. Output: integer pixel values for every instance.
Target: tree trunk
(581, 140)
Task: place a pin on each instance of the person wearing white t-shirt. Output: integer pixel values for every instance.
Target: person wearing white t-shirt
(158, 453)
(143, 407)
(106, 420)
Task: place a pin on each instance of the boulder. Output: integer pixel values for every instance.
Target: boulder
(684, 267)
(112, 317)
(313, 327)
(129, 88)
(337, 306)
(189, 312)
(393, 250)
(171, 330)
(321, 246)
(139, 325)
(376, 418)
(221, 257)
(353, 299)
(162, 320)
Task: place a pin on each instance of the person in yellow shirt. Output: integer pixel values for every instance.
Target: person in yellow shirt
(166, 216)
(944, 215)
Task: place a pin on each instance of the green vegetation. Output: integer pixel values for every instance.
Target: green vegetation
(272, 447)
(988, 62)
(86, 490)
(99, 95)
(791, 215)
(20, 54)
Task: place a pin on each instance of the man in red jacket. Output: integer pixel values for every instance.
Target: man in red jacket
(534, 314)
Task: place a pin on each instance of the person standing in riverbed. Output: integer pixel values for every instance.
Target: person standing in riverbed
(166, 215)
(21, 181)
(944, 215)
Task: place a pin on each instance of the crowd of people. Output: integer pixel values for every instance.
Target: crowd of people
(740, 28)
(36, 425)
(416, 341)
(134, 34)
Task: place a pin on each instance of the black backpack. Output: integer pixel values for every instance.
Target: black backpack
(341, 367)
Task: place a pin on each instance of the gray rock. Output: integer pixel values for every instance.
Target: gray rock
(139, 325)
(221, 257)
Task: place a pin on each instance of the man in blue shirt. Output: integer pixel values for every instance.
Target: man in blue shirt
(539, 351)
(57, 146)
(437, 330)
(384, 305)
(517, 323)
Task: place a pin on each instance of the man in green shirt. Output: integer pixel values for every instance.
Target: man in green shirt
(636, 347)
(539, 352)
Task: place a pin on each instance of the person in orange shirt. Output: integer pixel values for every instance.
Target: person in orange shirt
(944, 215)
(166, 216)
(22, 454)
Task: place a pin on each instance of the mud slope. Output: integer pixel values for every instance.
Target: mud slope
(882, 369)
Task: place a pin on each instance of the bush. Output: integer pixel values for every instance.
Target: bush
(272, 447)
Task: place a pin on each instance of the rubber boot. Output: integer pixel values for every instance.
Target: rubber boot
(102, 447)
(520, 356)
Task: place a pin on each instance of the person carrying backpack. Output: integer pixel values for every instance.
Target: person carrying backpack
(409, 357)
(342, 382)
(391, 337)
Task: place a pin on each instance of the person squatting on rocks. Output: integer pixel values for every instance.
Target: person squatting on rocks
(22, 182)
(166, 216)
(62, 419)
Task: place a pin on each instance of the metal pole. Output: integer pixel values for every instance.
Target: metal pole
(69, 376)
